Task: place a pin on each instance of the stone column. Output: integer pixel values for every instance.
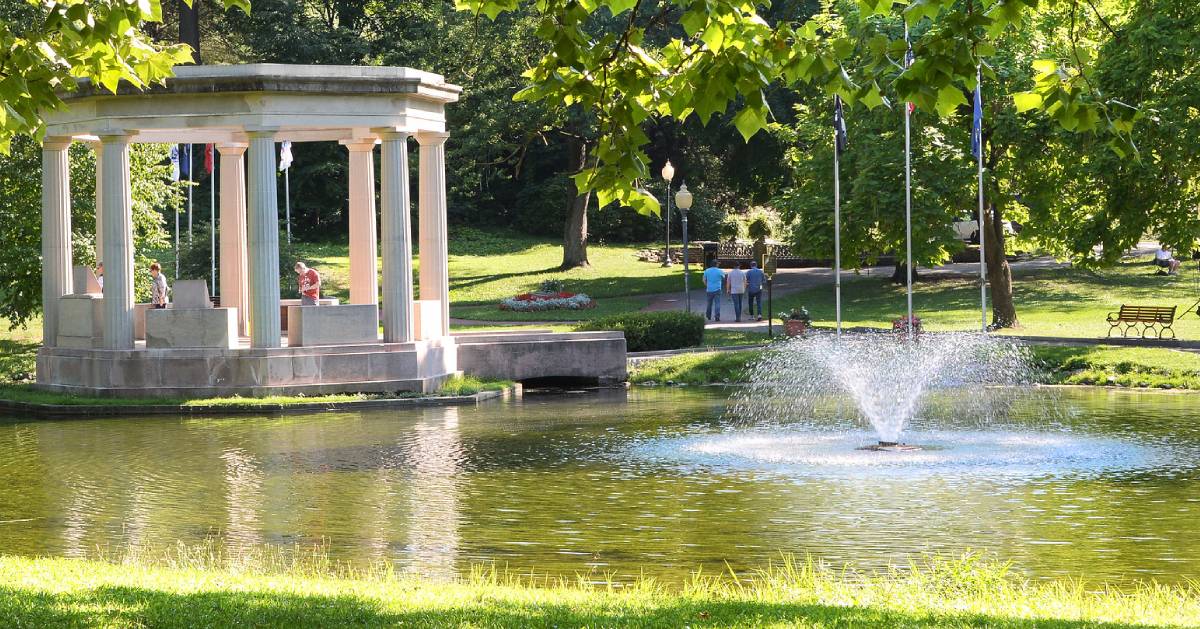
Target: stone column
(116, 207)
(397, 240)
(364, 276)
(234, 293)
(96, 148)
(56, 233)
(262, 222)
(435, 277)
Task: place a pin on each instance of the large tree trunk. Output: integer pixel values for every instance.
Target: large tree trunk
(900, 274)
(575, 231)
(1004, 311)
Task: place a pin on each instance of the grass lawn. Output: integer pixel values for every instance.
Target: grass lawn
(486, 267)
(1116, 366)
(948, 593)
(1050, 302)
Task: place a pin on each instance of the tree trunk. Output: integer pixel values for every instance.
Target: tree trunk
(1004, 311)
(189, 28)
(575, 231)
(900, 275)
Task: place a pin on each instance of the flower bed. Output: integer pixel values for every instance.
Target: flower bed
(535, 302)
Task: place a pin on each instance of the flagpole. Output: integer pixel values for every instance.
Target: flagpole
(908, 196)
(212, 219)
(978, 124)
(837, 228)
(287, 201)
(191, 169)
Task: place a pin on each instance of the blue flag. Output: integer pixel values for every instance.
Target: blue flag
(185, 161)
(839, 125)
(977, 125)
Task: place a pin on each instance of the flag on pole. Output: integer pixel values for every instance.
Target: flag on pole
(908, 61)
(208, 159)
(185, 161)
(839, 125)
(285, 155)
(977, 124)
(174, 162)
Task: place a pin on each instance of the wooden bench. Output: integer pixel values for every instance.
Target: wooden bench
(1157, 319)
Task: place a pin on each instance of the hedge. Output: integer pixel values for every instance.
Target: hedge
(649, 331)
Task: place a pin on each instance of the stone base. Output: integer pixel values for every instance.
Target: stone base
(195, 373)
(347, 324)
(80, 321)
(534, 355)
(213, 328)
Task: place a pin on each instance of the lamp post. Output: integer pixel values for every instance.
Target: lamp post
(683, 201)
(668, 173)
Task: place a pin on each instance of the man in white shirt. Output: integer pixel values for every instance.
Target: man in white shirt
(1164, 260)
(737, 288)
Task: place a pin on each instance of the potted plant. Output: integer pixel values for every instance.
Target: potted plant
(797, 322)
(901, 325)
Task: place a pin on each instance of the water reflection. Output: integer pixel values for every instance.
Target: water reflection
(604, 484)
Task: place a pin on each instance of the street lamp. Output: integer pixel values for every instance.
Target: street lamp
(683, 201)
(668, 173)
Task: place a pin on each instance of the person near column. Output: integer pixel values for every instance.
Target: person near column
(309, 284)
(100, 275)
(158, 287)
(737, 288)
(754, 286)
(714, 283)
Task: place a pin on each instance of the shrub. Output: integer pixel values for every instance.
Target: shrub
(649, 331)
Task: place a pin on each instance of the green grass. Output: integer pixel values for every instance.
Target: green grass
(470, 385)
(1050, 302)
(1124, 366)
(604, 307)
(694, 369)
(964, 592)
(486, 267)
(1091, 365)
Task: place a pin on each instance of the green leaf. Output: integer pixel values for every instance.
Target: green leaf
(619, 6)
(713, 36)
(750, 120)
(1024, 101)
(949, 99)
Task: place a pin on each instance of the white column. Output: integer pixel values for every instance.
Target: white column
(435, 277)
(56, 233)
(234, 293)
(364, 276)
(262, 223)
(99, 195)
(397, 239)
(116, 206)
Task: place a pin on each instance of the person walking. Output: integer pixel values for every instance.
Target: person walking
(737, 288)
(714, 283)
(158, 287)
(309, 284)
(754, 286)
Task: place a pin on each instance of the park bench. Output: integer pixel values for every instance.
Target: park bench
(1157, 319)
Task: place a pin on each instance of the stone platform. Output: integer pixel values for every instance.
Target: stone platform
(196, 373)
(540, 354)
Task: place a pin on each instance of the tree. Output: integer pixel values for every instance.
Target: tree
(50, 46)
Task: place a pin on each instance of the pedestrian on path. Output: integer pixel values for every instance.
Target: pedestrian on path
(737, 288)
(754, 286)
(714, 284)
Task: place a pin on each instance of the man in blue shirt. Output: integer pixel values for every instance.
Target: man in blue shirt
(714, 282)
(754, 286)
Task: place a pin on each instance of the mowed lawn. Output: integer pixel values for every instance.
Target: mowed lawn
(1064, 302)
(486, 268)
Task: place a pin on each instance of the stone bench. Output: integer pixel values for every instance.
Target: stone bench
(190, 321)
(347, 324)
(284, 304)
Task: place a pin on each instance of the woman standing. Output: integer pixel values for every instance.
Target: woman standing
(158, 287)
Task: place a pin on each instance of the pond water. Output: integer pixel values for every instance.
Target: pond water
(650, 481)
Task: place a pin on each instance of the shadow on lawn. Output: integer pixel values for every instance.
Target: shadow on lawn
(17, 361)
(129, 606)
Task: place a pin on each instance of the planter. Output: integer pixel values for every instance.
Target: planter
(794, 327)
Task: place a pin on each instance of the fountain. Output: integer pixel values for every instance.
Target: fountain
(888, 378)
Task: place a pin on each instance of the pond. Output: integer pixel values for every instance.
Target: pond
(617, 483)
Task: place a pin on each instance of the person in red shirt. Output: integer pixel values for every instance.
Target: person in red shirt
(309, 284)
